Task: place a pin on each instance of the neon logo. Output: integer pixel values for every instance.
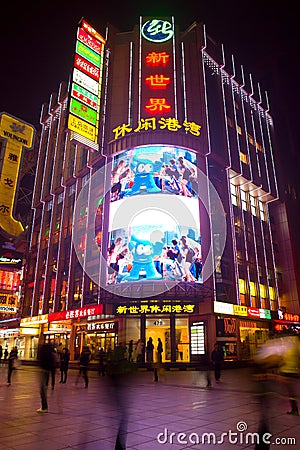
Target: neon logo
(157, 30)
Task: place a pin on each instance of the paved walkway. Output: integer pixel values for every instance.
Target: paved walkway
(88, 419)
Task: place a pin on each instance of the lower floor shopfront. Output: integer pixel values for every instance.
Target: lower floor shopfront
(187, 335)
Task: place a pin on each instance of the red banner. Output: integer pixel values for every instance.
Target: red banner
(77, 313)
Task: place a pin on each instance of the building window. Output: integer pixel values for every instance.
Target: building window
(60, 198)
(72, 189)
(262, 211)
(244, 200)
(85, 179)
(254, 206)
(244, 158)
(234, 196)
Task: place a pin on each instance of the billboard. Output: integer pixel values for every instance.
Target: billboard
(154, 221)
(85, 87)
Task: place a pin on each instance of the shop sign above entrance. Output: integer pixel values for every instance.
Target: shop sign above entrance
(77, 313)
(155, 309)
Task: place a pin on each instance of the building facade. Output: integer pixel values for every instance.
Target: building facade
(172, 143)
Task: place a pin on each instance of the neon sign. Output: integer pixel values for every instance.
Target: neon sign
(157, 31)
(17, 134)
(85, 91)
(164, 123)
(155, 309)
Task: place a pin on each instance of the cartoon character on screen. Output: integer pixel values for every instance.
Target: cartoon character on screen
(143, 267)
(144, 182)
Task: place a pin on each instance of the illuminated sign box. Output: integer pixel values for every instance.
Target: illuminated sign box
(83, 111)
(77, 313)
(84, 96)
(85, 81)
(155, 309)
(80, 126)
(88, 54)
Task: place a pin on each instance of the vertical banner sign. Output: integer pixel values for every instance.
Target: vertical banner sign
(85, 88)
(157, 68)
(16, 135)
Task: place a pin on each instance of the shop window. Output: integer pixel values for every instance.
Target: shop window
(182, 339)
(159, 327)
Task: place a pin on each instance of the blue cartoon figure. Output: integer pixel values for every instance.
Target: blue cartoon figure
(144, 182)
(143, 267)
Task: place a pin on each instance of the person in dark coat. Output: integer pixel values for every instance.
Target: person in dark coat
(101, 362)
(84, 361)
(149, 350)
(217, 357)
(47, 363)
(11, 361)
(64, 364)
(159, 350)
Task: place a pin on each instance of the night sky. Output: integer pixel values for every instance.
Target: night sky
(37, 44)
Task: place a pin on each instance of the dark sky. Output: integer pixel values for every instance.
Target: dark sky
(37, 44)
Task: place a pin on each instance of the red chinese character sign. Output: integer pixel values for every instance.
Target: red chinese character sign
(157, 82)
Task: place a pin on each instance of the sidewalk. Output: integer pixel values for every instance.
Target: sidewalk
(87, 419)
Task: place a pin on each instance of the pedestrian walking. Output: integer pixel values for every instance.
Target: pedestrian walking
(84, 361)
(11, 364)
(159, 350)
(130, 350)
(101, 362)
(5, 354)
(217, 357)
(140, 352)
(64, 364)
(47, 361)
(1, 353)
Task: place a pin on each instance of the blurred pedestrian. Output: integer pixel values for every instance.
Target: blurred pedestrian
(47, 361)
(140, 352)
(101, 362)
(1, 352)
(5, 354)
(149, 350)
(217, 357)
(159, 351)
(64, 364)
(84, 361)
(119, 372)
(130, 350)
(55, 363)
(11, 364)
(290, 370)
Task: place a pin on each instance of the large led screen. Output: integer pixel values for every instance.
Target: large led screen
(154, 224)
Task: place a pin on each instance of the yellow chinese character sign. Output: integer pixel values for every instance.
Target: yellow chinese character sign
(16, 135)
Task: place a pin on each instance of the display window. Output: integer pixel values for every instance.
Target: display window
(182, 339)
(251, 338)
(158, 327)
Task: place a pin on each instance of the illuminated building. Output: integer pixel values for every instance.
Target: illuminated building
(157, 136)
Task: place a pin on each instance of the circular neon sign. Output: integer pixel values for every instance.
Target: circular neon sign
(156, 30)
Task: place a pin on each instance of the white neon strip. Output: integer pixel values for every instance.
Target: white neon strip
(233, 238)
(69, 302)
(211, 227)
(130, 87)
(245, 128)
(256, 254)
(264, 153)
(264, 251)
(233, 83)
(61, 243)
(225, 111)
(84, 276)
(140, 73)
(174, 70)
(272, 159)
(105, 99)
(206, 105)
(273, 263)
(184, 81)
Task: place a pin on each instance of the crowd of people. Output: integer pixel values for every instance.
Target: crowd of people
(181, 260)
(178, 176)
